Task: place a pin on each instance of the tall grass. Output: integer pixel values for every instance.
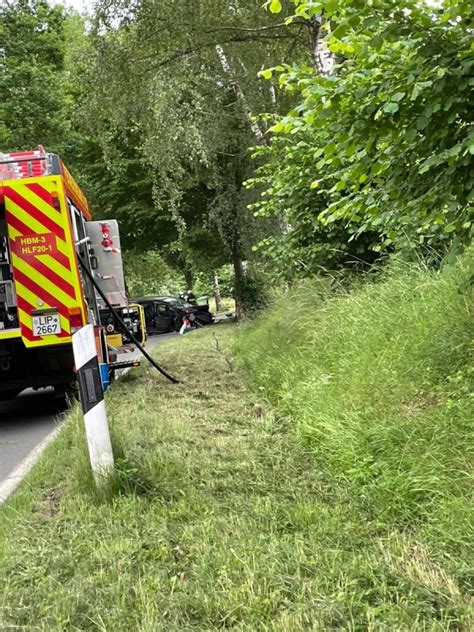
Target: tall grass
(378, 382)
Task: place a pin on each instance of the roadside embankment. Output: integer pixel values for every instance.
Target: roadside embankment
(379, 385)
(216, 517)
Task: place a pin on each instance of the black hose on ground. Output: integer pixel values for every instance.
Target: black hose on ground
(124, 327)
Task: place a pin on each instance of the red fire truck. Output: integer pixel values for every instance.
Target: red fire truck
(59, 270)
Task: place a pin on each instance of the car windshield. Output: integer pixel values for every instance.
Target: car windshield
(177, 302)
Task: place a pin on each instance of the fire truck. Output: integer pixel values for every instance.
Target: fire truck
(59, 270)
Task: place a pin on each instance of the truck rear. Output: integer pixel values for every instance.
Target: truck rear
(44, 297)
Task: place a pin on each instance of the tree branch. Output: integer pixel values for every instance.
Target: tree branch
(179, 54)
(258, 29)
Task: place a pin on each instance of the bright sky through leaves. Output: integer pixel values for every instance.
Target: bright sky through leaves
(79, 5)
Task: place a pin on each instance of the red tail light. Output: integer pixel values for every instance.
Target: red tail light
(75, 318)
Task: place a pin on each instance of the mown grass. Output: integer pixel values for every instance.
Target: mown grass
(379, 384)
(218, 515)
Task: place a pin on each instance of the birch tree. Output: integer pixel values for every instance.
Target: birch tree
(183, 78)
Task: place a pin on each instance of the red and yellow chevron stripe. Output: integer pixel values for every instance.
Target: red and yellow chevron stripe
(44, 264)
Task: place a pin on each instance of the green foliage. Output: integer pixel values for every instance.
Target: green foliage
(253, 291)
(147, 273)
(203, 282)
(379, 383)
(32, 96)
(120, 186)
(380, 153)
(176, 96)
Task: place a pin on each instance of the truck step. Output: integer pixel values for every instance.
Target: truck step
(115, 366)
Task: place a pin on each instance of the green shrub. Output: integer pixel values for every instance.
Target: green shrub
(253, 291)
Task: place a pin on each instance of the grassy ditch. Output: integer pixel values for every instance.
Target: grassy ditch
(218, 517)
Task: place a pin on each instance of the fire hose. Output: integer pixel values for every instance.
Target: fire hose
(122, 324)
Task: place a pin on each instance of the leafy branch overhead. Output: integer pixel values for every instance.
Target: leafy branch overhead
(383, 148)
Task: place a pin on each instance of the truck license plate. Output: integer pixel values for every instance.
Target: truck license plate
(46, 325)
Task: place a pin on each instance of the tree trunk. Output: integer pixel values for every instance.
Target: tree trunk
(239, 277)
(323, 60)
(217, 291)
(189, 279)
(224, 62)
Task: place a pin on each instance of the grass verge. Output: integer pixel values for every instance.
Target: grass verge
(217, 518)
(379, 382)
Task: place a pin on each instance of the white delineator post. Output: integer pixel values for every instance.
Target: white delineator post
(93, 405)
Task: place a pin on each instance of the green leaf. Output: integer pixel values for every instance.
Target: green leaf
(421, 122)
(266, 74)
(277, 128)
(426, 166)
(316, 7)
(275, 6)
(398, 96)
(391, 107)
(331, 6)
(341, 30)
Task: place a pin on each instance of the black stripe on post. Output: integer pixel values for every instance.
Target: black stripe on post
(90, 384)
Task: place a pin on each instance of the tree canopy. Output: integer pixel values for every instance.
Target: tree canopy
(177, 88)
(303, 134)
(379, 153)
(32, 53)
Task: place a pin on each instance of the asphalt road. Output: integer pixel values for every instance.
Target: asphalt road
(24, 422)
(27, 420)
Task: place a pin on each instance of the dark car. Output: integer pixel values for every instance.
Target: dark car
(164, 314)
(201, 302)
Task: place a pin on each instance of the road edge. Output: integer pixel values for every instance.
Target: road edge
(14, 479)
(11, 483)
